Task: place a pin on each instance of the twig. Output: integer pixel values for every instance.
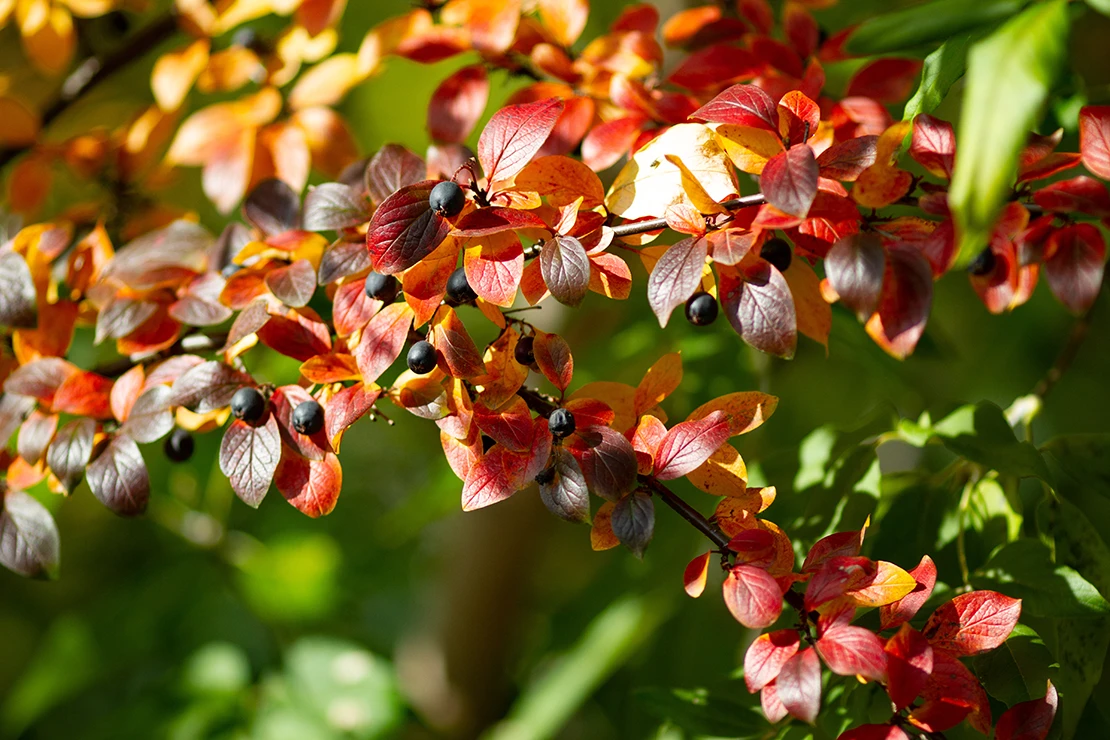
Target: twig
(1079, 331)
(687, 512)
(641, 227)
(94, 70)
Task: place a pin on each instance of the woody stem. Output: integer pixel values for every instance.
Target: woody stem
(94, 70)
(641, 227)
(687, 512)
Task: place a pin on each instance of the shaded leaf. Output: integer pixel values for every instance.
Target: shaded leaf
(119, 479)
(29, 543)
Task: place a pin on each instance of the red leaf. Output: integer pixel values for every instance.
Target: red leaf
(121, 316)
(836, 577)
(952, 694)
(1075, 258)
(773, 708)
(382, 340)
(494, 269)
(565, 269)
(119, 479)
(973, 623)
(607, 460)
(689, 444)
(766, 656)
(607, 142)
(753, 597)
(1029, 720)
(312, 486)
(282, 403)
(695, 576)
(846, 160)
(903, 610)
(300, 335)
(797, 114)
(755, 547)
(909, 663)
(1094, 139)
(675, 276)
(554, 359)
(124, 392)
(904, 305)
(855, 268)
(84, 394)
(404, 230)
(799, 685)
(853, 651)
(489, 481)
(489, 221)
(730, 246)
(514, 135)
(249, 458)
(392, 168)
(934, 145)
(457, 104)
(742, 105)
(707, 69)
(345, 408)
(509, 425)
(1083, 194)
(455, 350)
(760, 307)
(352, 308)
(151, 417)
(789, 180)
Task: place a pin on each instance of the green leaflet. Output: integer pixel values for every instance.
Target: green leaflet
(1102, 6)
(1009, 76)
(928, 23)
(1018, 669)
(1024, 570)
(942, 68)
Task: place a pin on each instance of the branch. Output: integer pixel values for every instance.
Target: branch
(687, 512)
(94, 70)
(641, 227)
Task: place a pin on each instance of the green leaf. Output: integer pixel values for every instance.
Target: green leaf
(992, 514)
(981, 434)
(1025, 570)
(701, 713)
(1010, 74)
(1018, 669)
(1081, 652)
(1102, 6)
(927, 23)
(941, 70)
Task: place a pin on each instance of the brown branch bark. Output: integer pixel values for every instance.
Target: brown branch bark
(95, 70)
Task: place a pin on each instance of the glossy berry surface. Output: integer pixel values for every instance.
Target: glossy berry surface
(458, 288)
(524, 353)
(308, 418)
(179, 445)
(561, 423)
(983, 264)
(422, 357)
(447, 198)
(777, 252)
(381, 287)
(248, 405)
(701, 309)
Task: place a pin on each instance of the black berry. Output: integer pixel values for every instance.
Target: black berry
(523, 352)
(422, 357)
(777, 252)
(458, 288)
(561, 423)
(179, 445)
(447, 198)
(381, 287)
(308, 418)
(546, 476)
(248, 405)
(701, 309)
(487, 443)
(983, 264)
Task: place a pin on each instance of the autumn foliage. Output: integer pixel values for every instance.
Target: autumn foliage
(787, 196)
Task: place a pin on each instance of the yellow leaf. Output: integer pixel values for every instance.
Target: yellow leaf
(19, 125)
(659, 381)
(48, 35)
(694, 191)
(649, 183)
(746, 409)
(723, 474)
(174, 74)
(749, 148)
(891, 583)
(326, 83)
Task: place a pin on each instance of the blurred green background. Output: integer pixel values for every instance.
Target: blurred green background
(398, 615)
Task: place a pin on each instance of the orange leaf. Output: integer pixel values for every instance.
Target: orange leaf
(175, 72)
